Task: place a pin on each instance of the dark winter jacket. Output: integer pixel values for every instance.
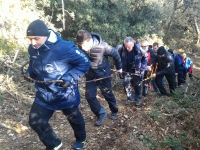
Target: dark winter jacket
(178, 63)
(57, 59)
(98, 56)
(139, 60)
(165, 64)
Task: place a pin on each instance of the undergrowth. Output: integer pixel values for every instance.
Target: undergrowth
(175, 119)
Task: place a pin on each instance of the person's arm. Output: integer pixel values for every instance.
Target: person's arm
(144, 61)
(80, 63)
(176, 64)
(190, 63)
(30, 71)
(168, 67)
(112, 52)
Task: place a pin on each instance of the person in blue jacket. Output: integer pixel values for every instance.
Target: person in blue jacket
(179, 66)
(52, 58)
(134, 63)
(98, 52)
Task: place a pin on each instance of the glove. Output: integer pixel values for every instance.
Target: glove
(63, 84)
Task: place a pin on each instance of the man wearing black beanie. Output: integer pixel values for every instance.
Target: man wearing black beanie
(52, 58)
(165, 66)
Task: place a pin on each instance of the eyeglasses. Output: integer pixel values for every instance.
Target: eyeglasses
(144, 46)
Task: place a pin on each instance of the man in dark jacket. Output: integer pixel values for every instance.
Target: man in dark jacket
(134, 62)
(52, 58)
(179, 66)
(98, 52)
(165, 68)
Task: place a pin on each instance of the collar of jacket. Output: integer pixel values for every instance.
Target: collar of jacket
(51, 40)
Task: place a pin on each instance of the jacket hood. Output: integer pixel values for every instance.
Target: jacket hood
(96, 38)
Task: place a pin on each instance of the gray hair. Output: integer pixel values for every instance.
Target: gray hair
(129, 39)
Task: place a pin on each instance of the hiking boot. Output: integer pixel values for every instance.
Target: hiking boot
(138, 103)
(128, 101)
(100, 119)
(113, 116)
(101, 116)
(78, 145)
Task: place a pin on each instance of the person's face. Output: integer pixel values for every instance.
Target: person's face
(86, 45)
(144, 46)
(37, 41)
(183, 56)
(129, 46)
(155, 48)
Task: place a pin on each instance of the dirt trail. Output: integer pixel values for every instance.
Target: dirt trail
(120, 134)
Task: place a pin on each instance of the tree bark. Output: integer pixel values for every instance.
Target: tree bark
(63, 11)
(197, 30)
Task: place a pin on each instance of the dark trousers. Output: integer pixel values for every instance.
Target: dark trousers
(39, 118)
(180, 77)
(106, 89)
(133, 81)
(154, 85)
(171, 81)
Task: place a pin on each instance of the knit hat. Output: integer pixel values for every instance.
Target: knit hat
(37, 28)
(161, 50)
(171, 51)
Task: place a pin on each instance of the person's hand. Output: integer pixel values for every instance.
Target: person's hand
(63, 84)
(119, 71)
(148, 68)
(153, 75)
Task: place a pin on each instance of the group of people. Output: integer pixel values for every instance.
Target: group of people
(52, 58)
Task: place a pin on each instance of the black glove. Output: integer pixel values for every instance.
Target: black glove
(63, 84)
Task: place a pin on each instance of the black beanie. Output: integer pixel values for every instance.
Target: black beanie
(161, 50)
(37, 28)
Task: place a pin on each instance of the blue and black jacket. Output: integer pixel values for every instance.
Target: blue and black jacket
(138, 61)
(57, 59)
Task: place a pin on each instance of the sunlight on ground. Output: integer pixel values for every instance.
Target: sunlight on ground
(15, 126)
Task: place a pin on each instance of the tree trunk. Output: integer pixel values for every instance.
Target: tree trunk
(197, 30)
(63, 11)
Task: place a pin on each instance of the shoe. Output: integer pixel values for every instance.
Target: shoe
(128, 101)
(57, 147)
(113, 116)
(138, 103)
(100, 119)
(78, 145)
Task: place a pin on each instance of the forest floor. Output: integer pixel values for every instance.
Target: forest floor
(160, 123)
